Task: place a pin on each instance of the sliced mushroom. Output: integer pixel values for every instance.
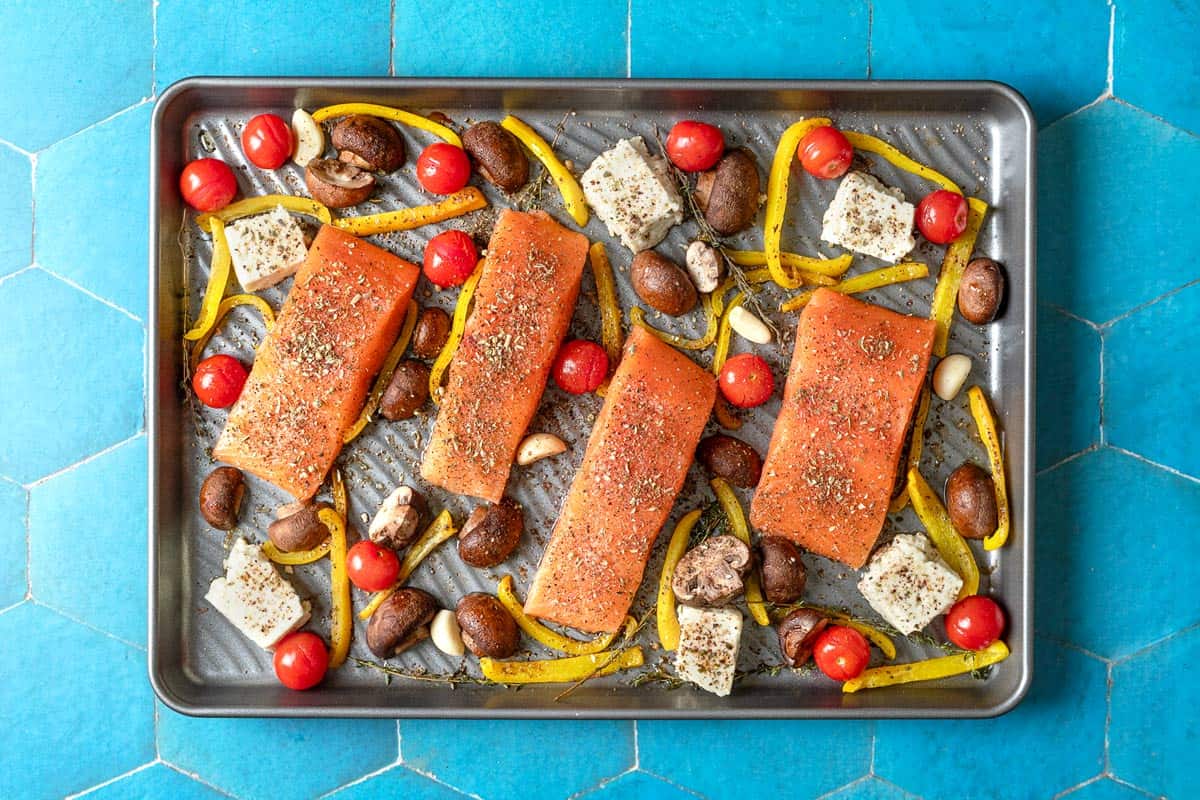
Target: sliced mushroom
(398, 520)
(221, 497)
(368, 143)
(798, 632)
(713, 572)
(487, 628)
(301, 530)
(337, 184)
(400, 622)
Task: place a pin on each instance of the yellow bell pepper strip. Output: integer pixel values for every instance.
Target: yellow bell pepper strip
(638, 317)
(667, 617)
(724, 334)
(385, 375)
(561, 670)
(568, 187)
(296, 557)
(929, 669)
(258, 205)
(459, 323)
(985, 421)
(218, 279)
(945, 294)
(873, 144)
(405, 219)
(441, 529)
(777, 192)
(832, 267)
(952, 547)
(387, 112)
(915, 448)
(606, 298)
(227, 305)
(875, 279)
(342, 627)
(340, 503)
(539, 632)
(737, 524)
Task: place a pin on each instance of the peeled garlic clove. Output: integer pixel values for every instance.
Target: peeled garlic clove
(446, 634)
(749, 326)
(950, 374)
(310, 139)
(539, 446)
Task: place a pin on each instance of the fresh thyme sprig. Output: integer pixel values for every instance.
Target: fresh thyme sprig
(459, 676)
(614, 654)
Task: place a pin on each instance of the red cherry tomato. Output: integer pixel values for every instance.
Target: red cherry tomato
(580, 366)
(443, 168)
(267, 141)
(942, 216)
(746, 381)
(841, 653)
(695, 146)
(218, 381)
(974, 622)
(825, 152)
(207, 184)
(450, 258)
(301, 660)
(372, 567)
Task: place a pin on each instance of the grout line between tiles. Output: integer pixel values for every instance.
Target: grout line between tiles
(600, 784)
(1145, 460)
(671, 783)
(629, 38)
(143, 101)
(196, 777)
(1151, 645)
(91, 294)
(839, 789)
(1072, 315)
(1112, 32)
(1100, 397)
(88, 625)
(1072, 646)
(1078, 786)
(1119, 780)
(7, 609)
(154, 48)
(392, 40)
(12, 275)
(81, 462)
(637, 750)
(431, 777)
(364, 778)
(28, 547)
(33, 164)
(112, 780)
(1148, 303)
(1108, 690)
(1092, 448)
(897, 787)
(1156, 117)
(870, 34)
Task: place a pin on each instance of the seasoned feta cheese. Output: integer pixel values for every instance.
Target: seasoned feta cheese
(633, 193)
(256, 598)
(708, 647)
(869, 218)
(908, 583)
(266, 248)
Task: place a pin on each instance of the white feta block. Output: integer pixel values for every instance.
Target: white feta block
(634, 194)
(255, 598)
(908, 583)
(870, 218)
(266, 248)
(708, 647)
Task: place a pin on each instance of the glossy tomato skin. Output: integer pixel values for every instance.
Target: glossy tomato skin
(942, 216)
(450, 259)
(746, 381)
(841, 653)
(207, 184)
(580, 366)
(825, 152)
(218, 381)
(372, 567)
(301, 660)
(443, 168)
(974, 622)
(695, 146)
(267, 141)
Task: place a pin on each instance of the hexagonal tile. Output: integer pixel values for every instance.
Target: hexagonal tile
(96, 512)
(1144, 354)
(582, 753)
(84, 398)
(659, 28)
(1108, 531)
(13, 556)
(1056, 72)
(640, 785)
(155, 781)
(1106, 789)
(398, 782)
(61, 70)
(1153, 732)
(1067, 698)
(1068, 386)
(720, 768)
(113, 232)
(228, 753)
(1151, 35)
(68, 692)
(1090, 224)
(871, 789)
(16, 208)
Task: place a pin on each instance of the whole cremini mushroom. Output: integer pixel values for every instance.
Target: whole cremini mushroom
(221, 497)
(798, 632)
(300, 530)
(337, 184)
(368, 143)
(491, 533)
(783, 572)
(662, 284)
(713, 572)
(400, 621)
(728, 194)
(497, 154)
(487, 627)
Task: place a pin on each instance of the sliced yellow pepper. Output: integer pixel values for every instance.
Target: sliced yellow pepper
(405, 219)
(259, 205)
(340, 502)
(227, 305)
(737, 524)
(388, 112)
(342, 627)
(550, 638)
(461, 309)
(638, 317)
(985, 421)
(929, 669)
(724, 334)
(952, 547)
(610, 308)
(296, 557)
(218, 279)
(441, 529)
(916, 447)
(945, 294)
(777, 192)
(572, 195)
(561, 670)
(668, 617)
(385, 375)
(875, 279)
(873, 144)
(831, 267)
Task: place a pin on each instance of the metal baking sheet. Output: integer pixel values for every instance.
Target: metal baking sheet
(980, 134)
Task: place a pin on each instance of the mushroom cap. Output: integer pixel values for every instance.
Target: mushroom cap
(497, 154)
(783, 572)
(402, 620)
(372, 139)
(798, 632)
(336, 183)
(731, 196)
(221, 497)
(301, 530)
(712, 573)
(487, 627)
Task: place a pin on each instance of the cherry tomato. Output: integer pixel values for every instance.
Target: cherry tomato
(301, 660)
(580, 366)
(450, 258)
(695, 146)
(372, 567)
(841, 653)
(207, 184)
(218, 381)
(443, 168)
(974, 622)
(746, 381)
(825, 152)
(267, 140)
(942, 216)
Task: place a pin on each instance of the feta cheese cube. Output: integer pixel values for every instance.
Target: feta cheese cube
(266, 248)
(256, 598)
(908, 583)
(870, 218)
(634, 194)
(708, 647)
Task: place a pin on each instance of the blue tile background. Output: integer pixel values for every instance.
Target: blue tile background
(1111, 715)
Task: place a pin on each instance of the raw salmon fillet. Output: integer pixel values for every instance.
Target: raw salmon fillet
(634, 466)
(857, 371)
(312, 373)
(523, 307)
